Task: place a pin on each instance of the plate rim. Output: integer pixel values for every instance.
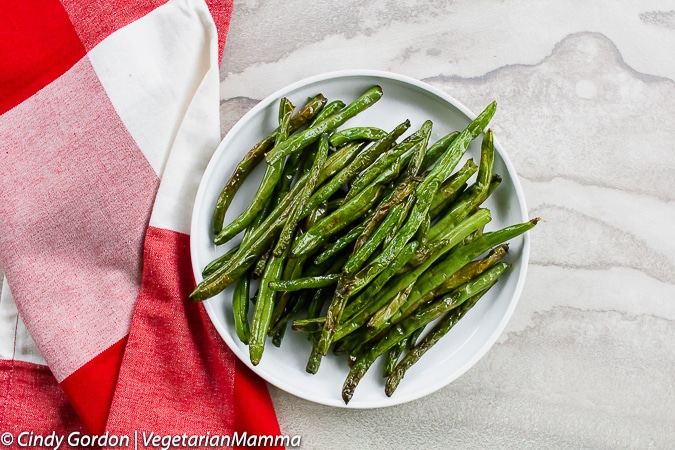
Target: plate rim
(524, 255)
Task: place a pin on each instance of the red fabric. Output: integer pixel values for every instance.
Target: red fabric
(33, 401)
(253, 410)
(221, 12)
(176, 362)
(90, 399)
(93, 20)
(37, 45)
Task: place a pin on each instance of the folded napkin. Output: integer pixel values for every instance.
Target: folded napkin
(110, 113)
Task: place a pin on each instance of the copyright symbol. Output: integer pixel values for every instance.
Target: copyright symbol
(6, 438)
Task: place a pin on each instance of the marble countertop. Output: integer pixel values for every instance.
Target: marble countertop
(586, 92)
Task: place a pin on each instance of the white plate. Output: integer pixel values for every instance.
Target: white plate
(284, 367)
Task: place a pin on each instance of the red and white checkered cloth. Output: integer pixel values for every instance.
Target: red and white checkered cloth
(110, 112)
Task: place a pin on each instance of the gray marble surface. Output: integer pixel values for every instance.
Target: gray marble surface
(586, 92)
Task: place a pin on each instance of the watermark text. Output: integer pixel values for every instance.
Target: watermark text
(145, 440)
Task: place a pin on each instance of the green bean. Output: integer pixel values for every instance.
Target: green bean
(421, 233)
(471, 199)
(331, 108)
(487, 156)
(305, 283)
(278, 330)
(255, 155)
(473, 236)
(401, 220)
(399, 283)
(340, 244)
(246, 256)
(259, 266)
(425, 193)
(306, 137)
(288, 229)
(436, 150)
(442, 328)
(262, 314)
(402, 193)
(240, 302)
(447, 162)
(358, 311)
(262, 215)
(272, 176)
(292, 269)
(455, 260)
(362, 160)
(332, 265)
(469, 271)
(335, 203)
(410, 145)
(451, 187)
(387, 311)
(316, 304)
(412, 339)
(304, 159)
(291, 168)
(393, 356)
(388, 176)
(308, 325)
(421, 318)
(339, 159)
(219, 261)
(438, 235)
(365, 250)
(420, 151)
(317, 214)
(495, 181)
(356, 133)
(455, 214)
(467, 203)
(362, 307)
(261, 263)
(314, 360)
(384, 258)
(337, 220)
(262, 235)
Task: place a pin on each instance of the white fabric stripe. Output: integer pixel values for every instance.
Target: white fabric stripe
(151, 70)
(196, 139)
(15, 342)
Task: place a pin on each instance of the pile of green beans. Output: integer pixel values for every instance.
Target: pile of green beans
(359, 237)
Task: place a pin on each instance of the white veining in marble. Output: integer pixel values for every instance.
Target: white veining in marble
(425, 38)
(586, 94)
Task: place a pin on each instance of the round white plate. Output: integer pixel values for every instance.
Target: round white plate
(284, 367)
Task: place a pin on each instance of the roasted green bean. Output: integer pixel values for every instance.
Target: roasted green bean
(255, 155)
